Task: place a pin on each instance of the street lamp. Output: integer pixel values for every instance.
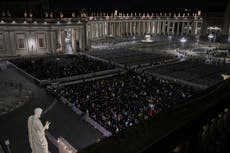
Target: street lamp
(7, 142)
(170, 39)
(183, 40)
(229, 38)
(197, 41)
(210, 37)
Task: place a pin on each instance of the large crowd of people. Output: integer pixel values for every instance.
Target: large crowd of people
(193, 71)
(124, 100)
(131, 57)
(53, 67)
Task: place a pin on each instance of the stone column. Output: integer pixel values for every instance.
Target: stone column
(173, 28)
(80, 38)
(139, 29)
(73, 33)
(134, 28)
(163, 28)
(160, 27)
(144, 27)
(130, 28)
(182, 29)
(77, 35)
(195, 28)
(168, 27)
(114, 30)
(53, 41)
(178, 29)
(94, 30)
(149, 28)
(155, 26)
(187, 28)
(62, 40)
(156, 30)
(91, 30)
(109, 28)
(192, 24)
(126, 28)
(226, 26)
(119, 28)
(106, 28)
(98, 30)
(122, 28)
(103, 29)
(152, 27)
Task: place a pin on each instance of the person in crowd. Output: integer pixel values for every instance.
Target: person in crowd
(57, 67)
(120, 102)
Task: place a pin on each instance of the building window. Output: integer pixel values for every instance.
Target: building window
(41, 41)
(1, 44)
(21, 43)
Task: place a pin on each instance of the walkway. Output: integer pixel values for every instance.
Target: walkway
(63, 121)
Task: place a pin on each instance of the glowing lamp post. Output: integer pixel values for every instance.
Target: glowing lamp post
(56, 64)
(210, 37)
(183, 40)
(170, 39)
(197, 41)
(229, 38)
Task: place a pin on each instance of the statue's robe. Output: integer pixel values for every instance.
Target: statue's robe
(37, 139)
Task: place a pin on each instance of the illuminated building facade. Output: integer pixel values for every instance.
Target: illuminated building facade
(31, 36)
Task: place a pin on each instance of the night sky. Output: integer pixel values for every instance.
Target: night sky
(214, 5)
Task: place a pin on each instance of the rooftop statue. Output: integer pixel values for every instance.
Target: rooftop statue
(36, 130)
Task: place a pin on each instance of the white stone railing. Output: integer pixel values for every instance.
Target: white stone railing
(64, 146)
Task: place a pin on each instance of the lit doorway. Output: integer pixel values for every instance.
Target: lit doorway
(68, 41)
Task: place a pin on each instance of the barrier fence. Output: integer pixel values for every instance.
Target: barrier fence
(86, 118)
(194, 85)
(66, 79)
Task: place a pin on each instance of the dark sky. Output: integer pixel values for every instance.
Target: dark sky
(154, 4)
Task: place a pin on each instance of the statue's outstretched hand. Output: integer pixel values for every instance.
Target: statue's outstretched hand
(47, 125)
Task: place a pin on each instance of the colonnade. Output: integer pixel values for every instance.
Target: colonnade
(118, 28)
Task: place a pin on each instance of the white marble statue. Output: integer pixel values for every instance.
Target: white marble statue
(36, 130)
